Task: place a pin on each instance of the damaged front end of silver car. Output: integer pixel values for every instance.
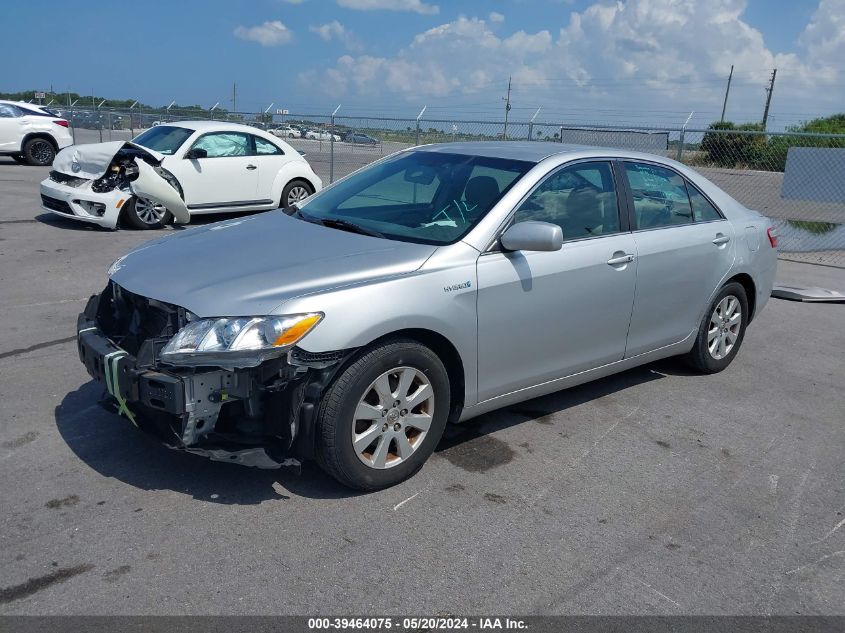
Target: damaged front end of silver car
(256, 411)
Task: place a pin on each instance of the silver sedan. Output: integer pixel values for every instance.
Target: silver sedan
(435, 285)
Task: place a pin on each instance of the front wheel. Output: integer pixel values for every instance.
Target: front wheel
(721, 331)
(295, 191)
(383, 416)
(144, 214)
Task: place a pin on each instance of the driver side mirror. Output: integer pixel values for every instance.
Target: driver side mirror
(196, 152)
(532, 236)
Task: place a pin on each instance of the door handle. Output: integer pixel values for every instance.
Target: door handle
(621, 259)
(721, 239)
(251, 167)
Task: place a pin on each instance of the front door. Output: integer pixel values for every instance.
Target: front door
(546, 315)
(227, 176)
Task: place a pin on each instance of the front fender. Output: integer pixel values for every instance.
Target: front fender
(439, 297)
(150, 185)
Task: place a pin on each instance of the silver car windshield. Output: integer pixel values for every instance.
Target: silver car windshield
(164, 139)
(417, 196)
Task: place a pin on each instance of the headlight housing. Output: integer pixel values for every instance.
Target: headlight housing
(237, 341)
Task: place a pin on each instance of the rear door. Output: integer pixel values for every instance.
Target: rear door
(546, 315)
(685, 248)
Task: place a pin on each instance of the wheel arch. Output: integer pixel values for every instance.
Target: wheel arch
(745, 280)
(289, 172)
(44, 135)
(446, 352)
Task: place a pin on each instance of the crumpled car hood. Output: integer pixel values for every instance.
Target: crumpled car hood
(249, 266)
(93, 159)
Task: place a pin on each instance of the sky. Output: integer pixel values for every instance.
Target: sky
(640, 62)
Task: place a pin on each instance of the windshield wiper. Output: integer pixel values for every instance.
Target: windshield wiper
(346, 225)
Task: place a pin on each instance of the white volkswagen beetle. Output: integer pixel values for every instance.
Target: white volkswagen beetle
(215, 166)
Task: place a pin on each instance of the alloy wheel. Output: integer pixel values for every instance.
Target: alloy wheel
(297, 194)
(149, 212)
(42, 152)
(725, 324)
(392, 417)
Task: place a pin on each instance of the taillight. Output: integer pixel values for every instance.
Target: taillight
(773, 236)
(61, 122)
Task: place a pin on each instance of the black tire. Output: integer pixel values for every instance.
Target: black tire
(39, 152)
(700, 357)
(294, 185)
(133, 219)
(335, 451)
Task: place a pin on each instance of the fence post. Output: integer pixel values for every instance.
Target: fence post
(419, 116)
(681, 140)
(331, 159)
(681, 145)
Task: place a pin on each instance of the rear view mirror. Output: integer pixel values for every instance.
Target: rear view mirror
(196, 152)
(420, 175)
(532, 236)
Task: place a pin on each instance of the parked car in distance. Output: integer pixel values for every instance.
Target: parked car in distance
(321, 135)
(433, 286)
(30, 134)
(211, 166)
(286, 131)
(359, 138)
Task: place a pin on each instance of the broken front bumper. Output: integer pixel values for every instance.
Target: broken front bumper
(81, 203)
(256, 417)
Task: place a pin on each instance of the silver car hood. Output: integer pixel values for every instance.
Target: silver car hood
(249, 266)
(93, 159)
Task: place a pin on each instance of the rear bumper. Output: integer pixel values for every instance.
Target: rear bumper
(225, 415)
(81, 203)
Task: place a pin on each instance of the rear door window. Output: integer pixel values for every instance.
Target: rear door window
(660, 196)
(702, 210)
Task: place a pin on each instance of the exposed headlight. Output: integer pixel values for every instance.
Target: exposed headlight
(241, 341)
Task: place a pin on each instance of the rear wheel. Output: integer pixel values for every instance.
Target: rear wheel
(39, 151)
(143, 213)
(295, 191)
(383, 416)
(721, 331)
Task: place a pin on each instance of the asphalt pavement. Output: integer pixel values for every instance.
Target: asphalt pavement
(656, 491)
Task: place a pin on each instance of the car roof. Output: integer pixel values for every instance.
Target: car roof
(24, 104)
(535, 151)
(210, 126)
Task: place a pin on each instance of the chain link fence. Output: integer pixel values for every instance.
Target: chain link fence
(798, 179)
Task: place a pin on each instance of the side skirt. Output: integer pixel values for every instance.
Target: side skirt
(574, 380)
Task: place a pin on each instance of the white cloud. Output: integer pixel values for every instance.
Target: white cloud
(635, 57)
(334, 30)
(271, 33)
(496, 17)
(416, 6)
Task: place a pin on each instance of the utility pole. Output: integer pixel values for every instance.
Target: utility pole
(769, 91)
(234, 97)
(727, 90)
(507, 101)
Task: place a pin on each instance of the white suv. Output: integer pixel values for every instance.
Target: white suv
(31, 134)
